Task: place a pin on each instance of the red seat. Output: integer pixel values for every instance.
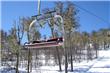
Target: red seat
(43, 43)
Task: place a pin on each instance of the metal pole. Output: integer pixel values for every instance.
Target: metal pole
(38, 9)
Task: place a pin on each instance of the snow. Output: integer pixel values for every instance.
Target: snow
(102, 64)
(99, 65)
(4, 69)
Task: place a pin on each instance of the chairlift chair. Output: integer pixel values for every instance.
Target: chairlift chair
(45, 43)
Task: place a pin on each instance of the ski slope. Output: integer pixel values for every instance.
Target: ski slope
(99, 65)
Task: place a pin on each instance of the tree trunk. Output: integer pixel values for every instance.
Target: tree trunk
(17, 62)
(71, 63)
(104, 45)
(28, 60)
(96, 52)
(66, 63)
(29, 54)
(59, 60)
(71, 57)
(96, 48)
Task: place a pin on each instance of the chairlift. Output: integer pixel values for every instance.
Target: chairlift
(45, 43)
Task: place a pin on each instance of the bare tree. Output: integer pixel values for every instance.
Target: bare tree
(14, 38)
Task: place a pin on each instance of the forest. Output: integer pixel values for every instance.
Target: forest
(79, 46)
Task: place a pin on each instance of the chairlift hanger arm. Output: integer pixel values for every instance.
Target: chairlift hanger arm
(49, 12)
(44, 13)
(36, 15)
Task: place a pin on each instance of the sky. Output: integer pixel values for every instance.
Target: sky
(92, 15)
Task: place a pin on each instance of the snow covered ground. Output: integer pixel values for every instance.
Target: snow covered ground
(99, 65)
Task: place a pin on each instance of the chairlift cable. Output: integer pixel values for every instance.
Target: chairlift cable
(92, 13)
